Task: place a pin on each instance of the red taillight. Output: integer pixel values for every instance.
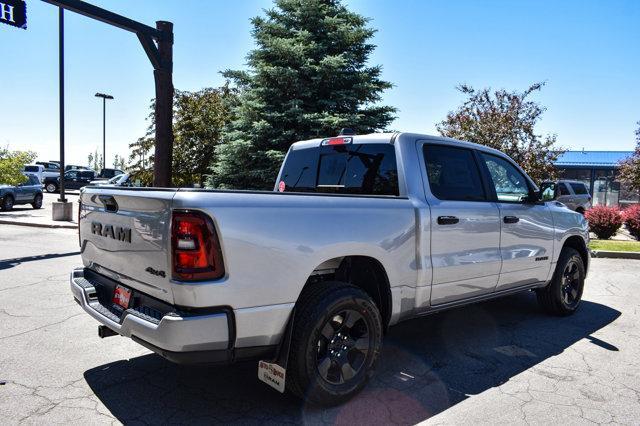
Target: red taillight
(196, 253)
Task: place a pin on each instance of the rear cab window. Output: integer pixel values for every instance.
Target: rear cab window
(349, 168)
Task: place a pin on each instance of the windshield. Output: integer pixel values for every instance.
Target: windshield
(114, 179)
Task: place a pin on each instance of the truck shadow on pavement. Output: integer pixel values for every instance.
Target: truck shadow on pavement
(10, 263)
(427, 365)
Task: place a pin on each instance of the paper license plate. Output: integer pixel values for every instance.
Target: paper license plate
(121, 296)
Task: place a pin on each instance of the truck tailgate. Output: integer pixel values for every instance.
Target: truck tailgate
(125, 235)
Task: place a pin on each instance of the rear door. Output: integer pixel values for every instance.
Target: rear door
(526, 241)
(465, 224)
(126, 235)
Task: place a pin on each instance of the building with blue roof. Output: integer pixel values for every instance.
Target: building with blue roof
(598, 170)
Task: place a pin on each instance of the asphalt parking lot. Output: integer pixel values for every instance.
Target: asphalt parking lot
(500, 362)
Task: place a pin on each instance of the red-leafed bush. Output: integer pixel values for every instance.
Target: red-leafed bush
(631, 217)
(604, 221)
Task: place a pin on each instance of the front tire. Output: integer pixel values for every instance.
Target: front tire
(37, 201)
(336, 340)
(563, 294)
(51, 188)
(7, 203)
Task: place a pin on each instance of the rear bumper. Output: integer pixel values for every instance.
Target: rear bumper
(200, 336)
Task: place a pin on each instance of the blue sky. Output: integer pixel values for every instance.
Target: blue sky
(587, 51)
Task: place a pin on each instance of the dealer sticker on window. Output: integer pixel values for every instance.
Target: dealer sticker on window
(272, 374)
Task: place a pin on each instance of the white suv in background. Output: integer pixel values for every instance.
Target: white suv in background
(36, 170)
(572, 193)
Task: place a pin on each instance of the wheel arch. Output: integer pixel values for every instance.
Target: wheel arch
(365, 272)
(577, 242)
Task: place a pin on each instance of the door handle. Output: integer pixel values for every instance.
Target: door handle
(511, 219)
(447, 220)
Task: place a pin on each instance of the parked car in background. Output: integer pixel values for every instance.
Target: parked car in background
(73, 179)
(36, 170)
(122, 180)
(51, 169)
(108, 174)
(29, 192)
(75, 167)
(572, 193)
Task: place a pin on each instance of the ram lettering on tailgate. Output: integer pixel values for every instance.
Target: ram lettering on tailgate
(109, 231)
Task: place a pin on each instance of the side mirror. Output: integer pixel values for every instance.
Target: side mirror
(548, 194)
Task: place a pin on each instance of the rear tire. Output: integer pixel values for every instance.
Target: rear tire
(7, 203)
(51, 188)
(336, 340)
(37, 201)
(563, 294)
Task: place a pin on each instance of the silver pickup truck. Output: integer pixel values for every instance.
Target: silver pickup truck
(360, 232)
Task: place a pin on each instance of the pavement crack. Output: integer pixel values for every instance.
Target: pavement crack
(40, 328)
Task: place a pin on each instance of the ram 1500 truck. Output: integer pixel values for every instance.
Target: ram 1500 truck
(360, 232)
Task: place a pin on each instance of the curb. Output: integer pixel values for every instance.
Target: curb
(39, 225)
(616, 254)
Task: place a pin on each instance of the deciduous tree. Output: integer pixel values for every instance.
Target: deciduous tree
(11, 164)
(199, 119)
(629, 172)
(308, 77)
(505, 121)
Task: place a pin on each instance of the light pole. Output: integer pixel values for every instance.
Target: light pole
(104, 132)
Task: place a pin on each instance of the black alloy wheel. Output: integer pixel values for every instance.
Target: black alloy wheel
(343, 347)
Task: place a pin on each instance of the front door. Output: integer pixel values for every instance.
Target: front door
(71, 180)
(465, 225)
(526, 243)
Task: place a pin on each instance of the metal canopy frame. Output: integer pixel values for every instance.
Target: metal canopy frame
(158, 45)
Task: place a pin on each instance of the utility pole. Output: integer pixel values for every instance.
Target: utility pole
(104, 126)
(61, 98)
(158, 45)
(164, 107)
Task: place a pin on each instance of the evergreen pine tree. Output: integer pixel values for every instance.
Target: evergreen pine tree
(308, 77)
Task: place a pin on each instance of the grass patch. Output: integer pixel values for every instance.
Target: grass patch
(609, 245)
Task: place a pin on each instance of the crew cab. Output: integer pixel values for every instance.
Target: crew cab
(359, 233)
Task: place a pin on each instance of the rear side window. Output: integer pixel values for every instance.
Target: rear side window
(453, 173)
(368, 169)
(579, 188)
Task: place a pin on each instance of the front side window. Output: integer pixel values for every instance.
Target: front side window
(453, 173)
(562, 189)
(510, 185)
(71, 175)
